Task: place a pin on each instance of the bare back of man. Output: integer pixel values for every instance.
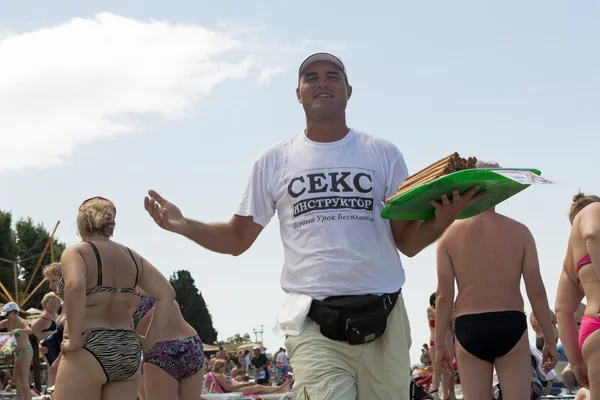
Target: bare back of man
(487, 255)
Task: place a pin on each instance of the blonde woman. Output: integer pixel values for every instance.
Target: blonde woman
(44, 326)
(101, 352)
(223, 383)
(23, 352)
(52, 273)
(50, 346)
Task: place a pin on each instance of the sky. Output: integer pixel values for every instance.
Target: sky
(115, 98)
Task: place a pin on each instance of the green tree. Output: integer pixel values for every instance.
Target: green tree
(239, 339)
(193, 307)
(8, 249)
(26, 241)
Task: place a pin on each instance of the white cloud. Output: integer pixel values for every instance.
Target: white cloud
(83, 80)
(268, 73)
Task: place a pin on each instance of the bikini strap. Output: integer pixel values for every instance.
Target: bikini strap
(137, 270)
(99, 260)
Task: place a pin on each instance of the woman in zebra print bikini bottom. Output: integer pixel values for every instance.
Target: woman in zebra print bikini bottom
(101, 353)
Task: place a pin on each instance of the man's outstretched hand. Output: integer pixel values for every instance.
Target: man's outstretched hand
(164, 213)
(448, 210)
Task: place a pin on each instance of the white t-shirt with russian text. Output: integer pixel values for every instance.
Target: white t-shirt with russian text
(329, 197)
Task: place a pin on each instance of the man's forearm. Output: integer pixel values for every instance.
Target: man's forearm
(567, 330)
(420, 234)
(220, 237)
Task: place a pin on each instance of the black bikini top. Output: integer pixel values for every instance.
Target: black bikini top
(100, 288)
(52, 327)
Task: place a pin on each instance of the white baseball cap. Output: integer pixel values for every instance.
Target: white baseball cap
(8, 307)
(257, 348)
(321, 56)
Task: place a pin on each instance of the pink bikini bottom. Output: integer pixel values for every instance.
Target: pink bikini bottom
(588, 326)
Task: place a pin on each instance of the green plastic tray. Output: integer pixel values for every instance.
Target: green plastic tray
(414, 204)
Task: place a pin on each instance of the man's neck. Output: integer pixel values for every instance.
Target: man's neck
(326, 131)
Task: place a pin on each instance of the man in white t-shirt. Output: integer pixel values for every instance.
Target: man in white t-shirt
(328, 185)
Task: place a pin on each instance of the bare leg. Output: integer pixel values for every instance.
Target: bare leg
(158, 384)
(435, 376)
(448, 385)
(475, 375)
(591, 356)
(261, 389)
(122, 390)
(514, 371)
(568, 377)
(51, 373)
(17, 376)
(79, 377)
(22, 366)
(190, 387)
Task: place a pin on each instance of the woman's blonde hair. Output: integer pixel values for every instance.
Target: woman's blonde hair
(47, 297)
(96, 215)
(52, 270)
(217, 364)
(580, 201)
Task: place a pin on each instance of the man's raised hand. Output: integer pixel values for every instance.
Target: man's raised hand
(164, 213)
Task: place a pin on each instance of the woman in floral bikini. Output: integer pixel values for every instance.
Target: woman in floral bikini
(173, 366)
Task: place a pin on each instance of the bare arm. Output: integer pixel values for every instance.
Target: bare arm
(590, 231)
(73, 270)
(536, 291)
(157, 286)
(568, 298)
(233, 237)
(411, 237)
(445, 295)
(37, 328)
(26, 329)
(232, 385)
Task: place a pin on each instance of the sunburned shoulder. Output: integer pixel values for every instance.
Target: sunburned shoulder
(488, 221)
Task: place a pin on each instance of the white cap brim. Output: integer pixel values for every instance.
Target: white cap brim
(3, 314)
(321, 57)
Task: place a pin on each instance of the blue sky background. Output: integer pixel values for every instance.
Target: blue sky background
(115, 104)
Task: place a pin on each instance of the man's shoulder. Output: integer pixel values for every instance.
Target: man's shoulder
(276, 150)
(372, 139)
(380, 145)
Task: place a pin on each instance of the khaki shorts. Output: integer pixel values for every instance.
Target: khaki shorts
(326, 369)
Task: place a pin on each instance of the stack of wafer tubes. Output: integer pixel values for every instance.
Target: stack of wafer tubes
(447, 165)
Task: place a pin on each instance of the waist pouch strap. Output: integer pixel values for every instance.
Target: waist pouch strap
(353, 319)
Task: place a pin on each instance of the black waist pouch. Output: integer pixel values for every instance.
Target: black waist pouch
(353, 319)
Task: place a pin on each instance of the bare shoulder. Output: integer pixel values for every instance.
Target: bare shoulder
(77, 248)
(516, 227)
(452, 231)
(591, 211)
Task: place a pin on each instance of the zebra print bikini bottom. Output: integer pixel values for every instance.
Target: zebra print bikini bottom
(118, 352)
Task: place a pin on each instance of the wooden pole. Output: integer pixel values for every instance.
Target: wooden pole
(6, 292)
(6, 299)
(34, 291)
(50, 239)
(52, 250)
